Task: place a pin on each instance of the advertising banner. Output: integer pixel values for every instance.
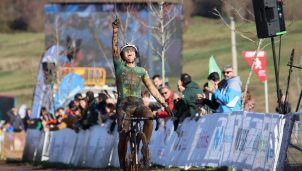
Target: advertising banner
(241, 140)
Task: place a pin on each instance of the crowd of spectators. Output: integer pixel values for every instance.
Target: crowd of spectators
(218, 95)
(189, 100)
(83, 113)
(13, 122)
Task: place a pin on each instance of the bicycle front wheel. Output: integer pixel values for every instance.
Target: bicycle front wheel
(133, 157)
(141, 138)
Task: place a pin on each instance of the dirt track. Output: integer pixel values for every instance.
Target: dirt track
(16, 165)
(21, 166)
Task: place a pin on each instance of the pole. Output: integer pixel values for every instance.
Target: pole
(299, 100)
(234, 50)
(276, 72)
(266, 96)
(291, 61)
(163, 39)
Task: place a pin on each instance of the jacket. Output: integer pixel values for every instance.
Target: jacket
(169, 101)
(190, 97)
(229, 96)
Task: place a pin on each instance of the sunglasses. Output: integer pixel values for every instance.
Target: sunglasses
(226, 72)
(164, 92)
(109, 104)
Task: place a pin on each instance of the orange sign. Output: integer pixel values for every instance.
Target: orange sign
(91, 76)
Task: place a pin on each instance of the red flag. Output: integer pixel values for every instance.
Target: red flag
(260, 63)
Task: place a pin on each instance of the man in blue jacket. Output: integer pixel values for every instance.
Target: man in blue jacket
(229, 93)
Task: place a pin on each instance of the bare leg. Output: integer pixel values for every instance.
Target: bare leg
(122, 150)
(123, 109)
(148, 127)
(148, 124)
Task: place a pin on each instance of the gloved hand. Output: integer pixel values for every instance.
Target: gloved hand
(116, 23)
(169, 111)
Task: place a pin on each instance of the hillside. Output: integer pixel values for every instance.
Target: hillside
(20, 55)
(211, 37)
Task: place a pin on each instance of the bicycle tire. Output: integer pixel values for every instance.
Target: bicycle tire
(133, 156)
(141, 137)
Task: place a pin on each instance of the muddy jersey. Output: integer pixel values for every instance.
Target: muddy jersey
(128, 79)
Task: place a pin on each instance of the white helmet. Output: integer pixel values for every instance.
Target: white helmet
(129, 45)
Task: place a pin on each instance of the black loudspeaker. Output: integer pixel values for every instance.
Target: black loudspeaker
(269, 18)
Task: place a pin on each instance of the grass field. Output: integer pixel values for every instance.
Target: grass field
(21, 52)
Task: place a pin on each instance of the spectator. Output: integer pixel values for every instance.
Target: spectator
(204, 98)
(92, 112)
(102, 105)
(69, 119)
(177, 96)
(249, 102)
(44, 115)
(106, 110)
(146, 98)
(26, 120)
(60, 114)
(168, 94)
(108, 107)
(13, 121)
(83, 106)
(74, 116)
(72, 107)
(186, 106)
(157, 81)
(149, 102)
(229, 95)
(102, 97)
(90, 97)
(110, 114)
(77, 99)
(47, 117)
(180, 86)
(35, 123)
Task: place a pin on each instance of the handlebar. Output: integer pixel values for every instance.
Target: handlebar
(138, 119)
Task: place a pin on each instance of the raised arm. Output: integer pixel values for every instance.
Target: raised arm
(115, 29)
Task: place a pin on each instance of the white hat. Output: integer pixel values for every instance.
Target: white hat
(129, 45)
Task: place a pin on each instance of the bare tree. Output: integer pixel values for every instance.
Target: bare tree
(238, 9)
(163, 30)
(245, 35)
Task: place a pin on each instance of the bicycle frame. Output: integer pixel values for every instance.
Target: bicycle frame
(135, 135)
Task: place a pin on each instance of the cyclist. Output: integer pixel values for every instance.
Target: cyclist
(129, 79)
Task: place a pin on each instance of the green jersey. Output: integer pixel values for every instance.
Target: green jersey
(128, 79)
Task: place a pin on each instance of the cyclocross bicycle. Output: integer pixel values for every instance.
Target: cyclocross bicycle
(135, 135)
